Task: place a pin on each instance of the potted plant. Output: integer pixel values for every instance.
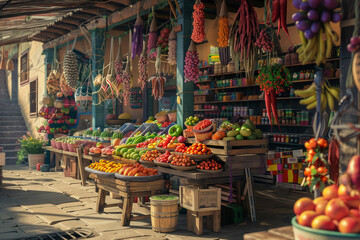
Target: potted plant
(33, 147)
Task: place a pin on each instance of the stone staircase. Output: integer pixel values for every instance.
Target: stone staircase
(12, 125)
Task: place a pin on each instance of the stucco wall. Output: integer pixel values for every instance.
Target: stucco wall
(36, 70)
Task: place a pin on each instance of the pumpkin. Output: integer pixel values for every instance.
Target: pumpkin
(219, 135)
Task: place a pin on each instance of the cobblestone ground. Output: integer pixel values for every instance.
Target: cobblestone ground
(34, 203)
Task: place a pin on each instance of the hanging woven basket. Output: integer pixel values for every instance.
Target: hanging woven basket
(83, 97)
(70, 69)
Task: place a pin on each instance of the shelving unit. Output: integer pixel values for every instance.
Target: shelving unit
(253, 89)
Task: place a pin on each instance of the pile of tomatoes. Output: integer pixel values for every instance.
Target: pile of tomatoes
(209, 165)
(202, 124)
(316, 170)
(198, 149)
(181, 148)
(164, 158)
(150, 155)
(182, 161)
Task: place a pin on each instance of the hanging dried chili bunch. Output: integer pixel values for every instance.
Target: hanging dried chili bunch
(172, 48)
(151, 47)
(191, 70)
(223, 35)
(137, 41)
(143, 71)
(157, 81)
(243, 33)
(198, 34)
(126, 83)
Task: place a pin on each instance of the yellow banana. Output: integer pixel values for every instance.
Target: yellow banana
(321, 50)
(308, 57)
(334, 91)
(302, 38)
(311, 105)
(308, 100)
(333, 35)
(323, 101)
(329, 45)
(311, 44)
(307, 92)
(330, 100)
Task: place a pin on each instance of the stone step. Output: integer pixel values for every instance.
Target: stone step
(10, 146)
(13, 122)
(8, 140)
(11, 160)
(10, 153)
(11, 118)
(7, 132)
(19, 127)
(10, 113)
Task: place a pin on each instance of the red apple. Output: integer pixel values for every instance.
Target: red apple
(323, 222)
(302, 205)
(349, 225)
(336, 209)
(306, 218)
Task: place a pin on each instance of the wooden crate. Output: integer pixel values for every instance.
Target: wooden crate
(240, 162)
(188, 134)
(236, 147)
(195, 199)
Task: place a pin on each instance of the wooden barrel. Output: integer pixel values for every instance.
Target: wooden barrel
(164, 213)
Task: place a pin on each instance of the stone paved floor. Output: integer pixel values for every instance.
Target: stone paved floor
(34, 203)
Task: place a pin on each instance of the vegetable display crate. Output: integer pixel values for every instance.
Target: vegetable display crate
(128, 191)
(145, 128)
(236, 147)
(195, 199)
(240, 162)
(127, 127)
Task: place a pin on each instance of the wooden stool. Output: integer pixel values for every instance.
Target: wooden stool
(195, 221)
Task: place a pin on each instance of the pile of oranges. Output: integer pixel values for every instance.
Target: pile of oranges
(198, 149)
(106, 166)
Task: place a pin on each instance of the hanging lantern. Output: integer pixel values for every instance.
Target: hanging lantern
(70, 69)
(83, 97)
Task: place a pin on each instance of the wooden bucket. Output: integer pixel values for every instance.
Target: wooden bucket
(164, 213)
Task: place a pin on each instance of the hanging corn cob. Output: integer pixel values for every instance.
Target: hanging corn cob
(70, 69)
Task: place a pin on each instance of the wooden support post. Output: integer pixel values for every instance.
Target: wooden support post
(199, 225)
(185, 97)
(250, 189)
(126, 213)
(100, 204)
(81, 166)
(97, 39)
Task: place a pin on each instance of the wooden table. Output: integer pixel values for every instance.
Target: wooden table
(281, 233)
(128, 191)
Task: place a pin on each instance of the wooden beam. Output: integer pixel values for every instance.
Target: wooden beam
(83, 16)
(71, 21)
(124, 2)
(49, 34)
(90, 10)
(116, 18)
(62, 25)
(107, 6)
(56, 30)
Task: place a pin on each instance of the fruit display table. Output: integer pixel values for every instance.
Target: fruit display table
(128, 191)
